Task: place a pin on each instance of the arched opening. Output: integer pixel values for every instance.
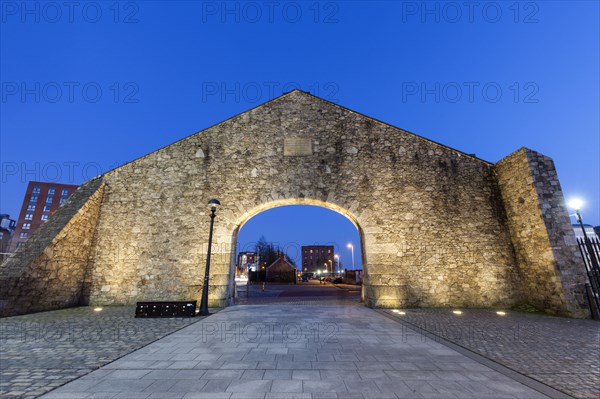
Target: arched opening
(298, 251)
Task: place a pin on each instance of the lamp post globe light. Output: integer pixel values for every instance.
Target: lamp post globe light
(213, 204)
(577, 204)
(352, 248)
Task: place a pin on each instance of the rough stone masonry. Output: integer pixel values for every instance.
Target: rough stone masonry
(439, 228)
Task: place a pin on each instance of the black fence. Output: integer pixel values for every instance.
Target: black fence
(590, 251)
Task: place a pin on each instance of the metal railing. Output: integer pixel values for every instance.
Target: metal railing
(590, 252)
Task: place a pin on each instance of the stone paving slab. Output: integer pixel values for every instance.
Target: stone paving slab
(42, 351)
(308, 293)
(560, 352)
(285, 351)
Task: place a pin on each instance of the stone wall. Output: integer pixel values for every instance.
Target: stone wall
(432, 223)
(47, 270)
(438, 227)
(549, 263)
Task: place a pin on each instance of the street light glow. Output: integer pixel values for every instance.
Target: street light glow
(575, 203)
(351, 247)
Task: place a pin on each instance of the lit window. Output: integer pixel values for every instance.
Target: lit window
(51, 191)
(64, 192)
(49, 199)
(62, 201)
(34, 198)
(46, 208)
(26, 226)
(31, 207)
(23, 235)
(29, 216)
(44, 217)
(35, 190)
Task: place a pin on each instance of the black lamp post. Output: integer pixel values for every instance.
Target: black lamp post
(214, 203)
(588, 244)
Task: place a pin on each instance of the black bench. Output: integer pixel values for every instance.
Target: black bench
(166, 309)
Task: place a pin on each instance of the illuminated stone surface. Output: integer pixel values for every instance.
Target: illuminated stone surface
(433, 220)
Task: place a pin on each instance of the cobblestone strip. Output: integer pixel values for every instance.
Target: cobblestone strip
(560, 352)
(42, 351)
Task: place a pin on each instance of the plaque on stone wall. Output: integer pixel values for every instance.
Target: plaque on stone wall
(297, 146)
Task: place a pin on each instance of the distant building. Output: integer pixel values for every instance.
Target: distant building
(589, 230)
(41, 200)
(597, 231)
(246, 261)
(354, 276)
(7, 223)
(7, 228)
(314, 258)
(281, 271)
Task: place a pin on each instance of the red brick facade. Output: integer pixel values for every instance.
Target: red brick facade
(40, 202)
(314, 257)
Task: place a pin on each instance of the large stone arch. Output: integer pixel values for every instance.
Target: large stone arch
(438, 225)
(244, 217)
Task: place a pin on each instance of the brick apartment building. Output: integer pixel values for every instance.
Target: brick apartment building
(314, 257)
(41, 200)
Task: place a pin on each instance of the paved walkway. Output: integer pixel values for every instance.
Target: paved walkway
(284, 351)
(558, 351)
(42, 351)
(307, 293)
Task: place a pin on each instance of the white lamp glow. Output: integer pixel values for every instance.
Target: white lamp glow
(575, 203)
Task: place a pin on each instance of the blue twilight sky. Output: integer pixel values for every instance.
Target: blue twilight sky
(87, 86)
